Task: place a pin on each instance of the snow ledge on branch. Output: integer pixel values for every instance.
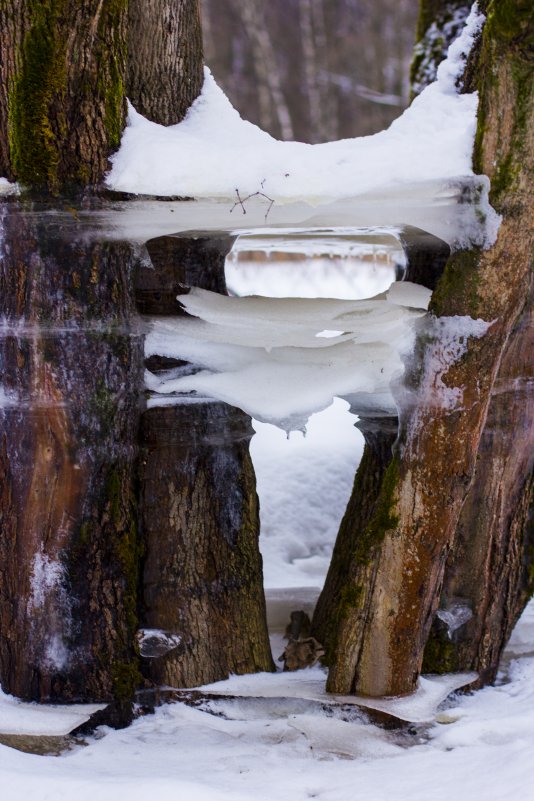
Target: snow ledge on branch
(216, 154)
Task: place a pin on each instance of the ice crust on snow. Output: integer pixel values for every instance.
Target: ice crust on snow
(419, 707)
(215, 154)
(264, 356)
(17, 717)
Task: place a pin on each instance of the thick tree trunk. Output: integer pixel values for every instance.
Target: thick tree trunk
(204, 606)
(71, 350)
(441, 434)
(71, 366)
(203, 573)
(62, 70)
(488, 579)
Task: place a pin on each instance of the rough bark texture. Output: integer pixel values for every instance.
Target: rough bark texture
(203, 578)
(62, 71)
(354, 535)
(490, 566)
(71, 366)
(203, 570)
(488, 569)
(71, 363)
(440, 439)
(165, 70)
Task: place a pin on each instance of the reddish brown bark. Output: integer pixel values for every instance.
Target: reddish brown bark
(71, 359)
(421, 501)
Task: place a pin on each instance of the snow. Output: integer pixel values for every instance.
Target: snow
(7, 188)
(309, 684)
(46, 578)
(304, 484)
(271, 749)
(215, 154)
(17, 717)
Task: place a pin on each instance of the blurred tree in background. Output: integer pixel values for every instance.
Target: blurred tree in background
(312, 70)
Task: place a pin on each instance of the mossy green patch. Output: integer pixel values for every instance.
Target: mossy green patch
(458, 289)
(126, 678)
(440, 654)
(41, 81)
(384, 516)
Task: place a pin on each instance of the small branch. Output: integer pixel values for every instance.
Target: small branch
(241, 201)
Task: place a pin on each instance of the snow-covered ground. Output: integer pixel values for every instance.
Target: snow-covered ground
(292, 748)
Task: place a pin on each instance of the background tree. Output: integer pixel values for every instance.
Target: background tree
(309, 69)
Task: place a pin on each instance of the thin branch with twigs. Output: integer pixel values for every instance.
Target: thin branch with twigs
(242, 200)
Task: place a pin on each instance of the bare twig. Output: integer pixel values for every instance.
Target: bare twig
(242, 200)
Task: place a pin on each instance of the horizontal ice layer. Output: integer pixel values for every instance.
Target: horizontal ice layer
(419, 707)
(215, 154)
(17, 717)
(281, 359)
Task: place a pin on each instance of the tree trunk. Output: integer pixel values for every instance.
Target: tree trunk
(354, 534)
(71, 366)
(424, 489)
(71, 350)
(62, 69)
(203, 583)
(204, 607)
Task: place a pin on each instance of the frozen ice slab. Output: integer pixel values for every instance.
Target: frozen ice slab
(419, 707)
(269, 356)
(309, 684)
(47, 720)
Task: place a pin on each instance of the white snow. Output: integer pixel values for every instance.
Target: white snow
(480, 747)
(7, 188)
(46, 578)
(309, 684)
(215, 154)
(17, 717)
(304, 484)
(307, 278)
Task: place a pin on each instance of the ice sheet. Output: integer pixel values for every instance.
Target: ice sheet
(264, 355)
(17, 717)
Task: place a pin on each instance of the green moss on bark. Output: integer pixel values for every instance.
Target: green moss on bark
(41, 80)
(113, 90)
(384, 517)
(458, 289)
(440, 654)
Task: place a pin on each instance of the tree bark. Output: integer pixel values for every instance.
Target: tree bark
(354, 534)
(424, 489)
(203, 601)
(71, 350)
(71, 365)
(62, 70)
(203, 572)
